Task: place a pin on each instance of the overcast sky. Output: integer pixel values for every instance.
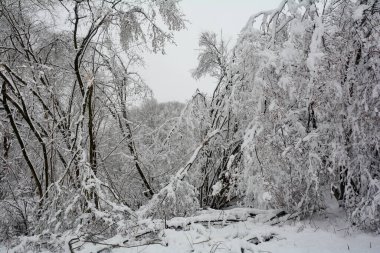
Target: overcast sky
(169, 75)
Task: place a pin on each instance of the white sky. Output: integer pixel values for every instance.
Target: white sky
(169, 75)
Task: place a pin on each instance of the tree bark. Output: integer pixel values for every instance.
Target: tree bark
(20, 141)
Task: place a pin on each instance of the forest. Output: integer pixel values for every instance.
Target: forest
(89, 156)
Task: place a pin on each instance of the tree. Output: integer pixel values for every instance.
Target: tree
(302, 110)
(57, 84)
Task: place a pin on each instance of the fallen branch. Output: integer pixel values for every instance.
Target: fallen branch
(224, 216)
(113, 245)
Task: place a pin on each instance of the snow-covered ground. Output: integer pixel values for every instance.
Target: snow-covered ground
(243, 237)
(243, 230)
(240, 237)
(251, 236)
(328, 232)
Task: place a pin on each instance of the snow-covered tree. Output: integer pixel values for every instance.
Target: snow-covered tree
(303, 91)
(59, 85)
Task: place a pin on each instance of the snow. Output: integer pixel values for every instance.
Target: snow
(267, 196)
(273, 106)
(242, 230)
(216, 188)
(315, 53)
(246, 230)
(358, 13)
(298, 237)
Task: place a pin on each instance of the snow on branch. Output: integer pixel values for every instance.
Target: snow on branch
(168, 201)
